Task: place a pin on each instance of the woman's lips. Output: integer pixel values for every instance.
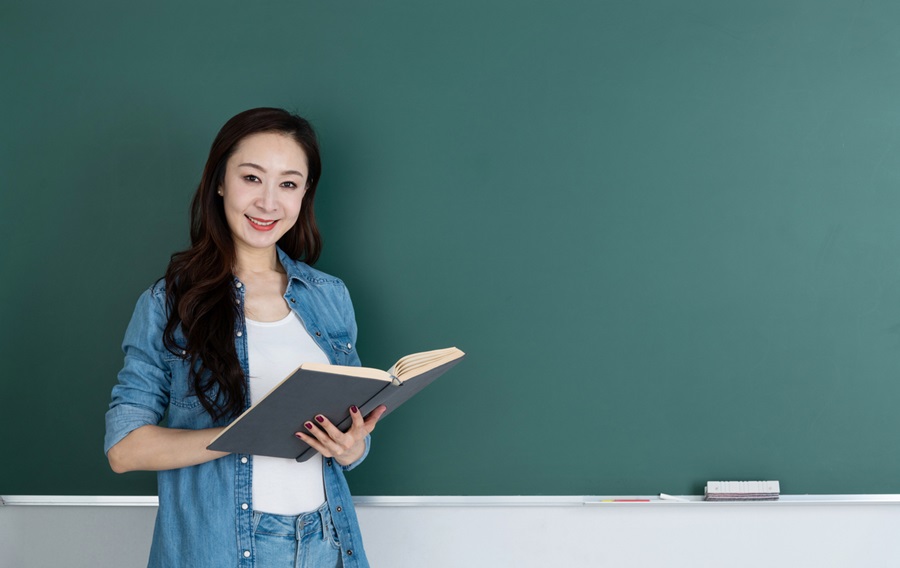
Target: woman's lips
(261, 224)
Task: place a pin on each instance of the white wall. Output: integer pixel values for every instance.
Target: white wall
(544, 532)
(75, 536)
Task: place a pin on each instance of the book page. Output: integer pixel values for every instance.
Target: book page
(418, 363)
(362, 372)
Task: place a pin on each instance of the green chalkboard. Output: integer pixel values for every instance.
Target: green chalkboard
(667, 233)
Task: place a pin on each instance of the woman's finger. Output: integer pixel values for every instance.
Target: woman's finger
(314, 443)
(335, 447)
(373, 417)
(330, 429)
(356, 416)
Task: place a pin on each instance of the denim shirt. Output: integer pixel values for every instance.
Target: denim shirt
(205, 511)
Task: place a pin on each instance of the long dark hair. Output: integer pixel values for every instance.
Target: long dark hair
(200, 290)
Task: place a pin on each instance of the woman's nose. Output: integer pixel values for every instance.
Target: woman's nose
(267, 200)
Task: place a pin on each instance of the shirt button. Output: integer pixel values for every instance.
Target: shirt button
(349, 346)
(329, 463)
(349, 553)
(245, 506)
(246, 554)
(244, 460)
(240, 333)
(338, 509)
(318, 334)
(293, 301)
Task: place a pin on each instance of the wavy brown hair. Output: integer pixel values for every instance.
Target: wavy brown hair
(200, 293)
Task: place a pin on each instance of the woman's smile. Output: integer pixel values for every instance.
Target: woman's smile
(261, 224)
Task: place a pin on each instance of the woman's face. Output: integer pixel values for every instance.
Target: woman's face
(264, 184)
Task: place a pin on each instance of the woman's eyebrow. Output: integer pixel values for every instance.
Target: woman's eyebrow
(263, 170)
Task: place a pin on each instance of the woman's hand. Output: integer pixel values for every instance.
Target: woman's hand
(345, 447)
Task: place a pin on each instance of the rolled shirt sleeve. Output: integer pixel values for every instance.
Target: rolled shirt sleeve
(142, 393)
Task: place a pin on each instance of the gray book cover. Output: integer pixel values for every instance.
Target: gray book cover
(268, 427)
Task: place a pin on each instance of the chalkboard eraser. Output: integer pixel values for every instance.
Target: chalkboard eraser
(742, 490)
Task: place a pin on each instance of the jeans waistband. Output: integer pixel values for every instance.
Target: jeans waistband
(304, 523)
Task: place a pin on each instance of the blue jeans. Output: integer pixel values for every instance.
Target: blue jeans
(305, 541)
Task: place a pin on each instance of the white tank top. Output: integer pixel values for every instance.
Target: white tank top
(275, 349)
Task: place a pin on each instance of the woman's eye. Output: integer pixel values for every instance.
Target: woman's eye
(251, 177)
(290, 184)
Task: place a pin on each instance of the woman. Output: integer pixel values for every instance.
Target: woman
(235, 313)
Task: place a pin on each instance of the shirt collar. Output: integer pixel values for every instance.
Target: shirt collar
(296, 270)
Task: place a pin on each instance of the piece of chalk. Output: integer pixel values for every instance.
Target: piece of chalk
(667, 497)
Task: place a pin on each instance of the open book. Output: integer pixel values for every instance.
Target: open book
(267, 428)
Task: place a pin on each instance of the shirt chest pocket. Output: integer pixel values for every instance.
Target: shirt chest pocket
(340, 342)
(336, 344)
(185, 410)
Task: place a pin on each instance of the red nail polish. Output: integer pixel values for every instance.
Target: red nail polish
(320, 419)
(309, 425)
(353, 409)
